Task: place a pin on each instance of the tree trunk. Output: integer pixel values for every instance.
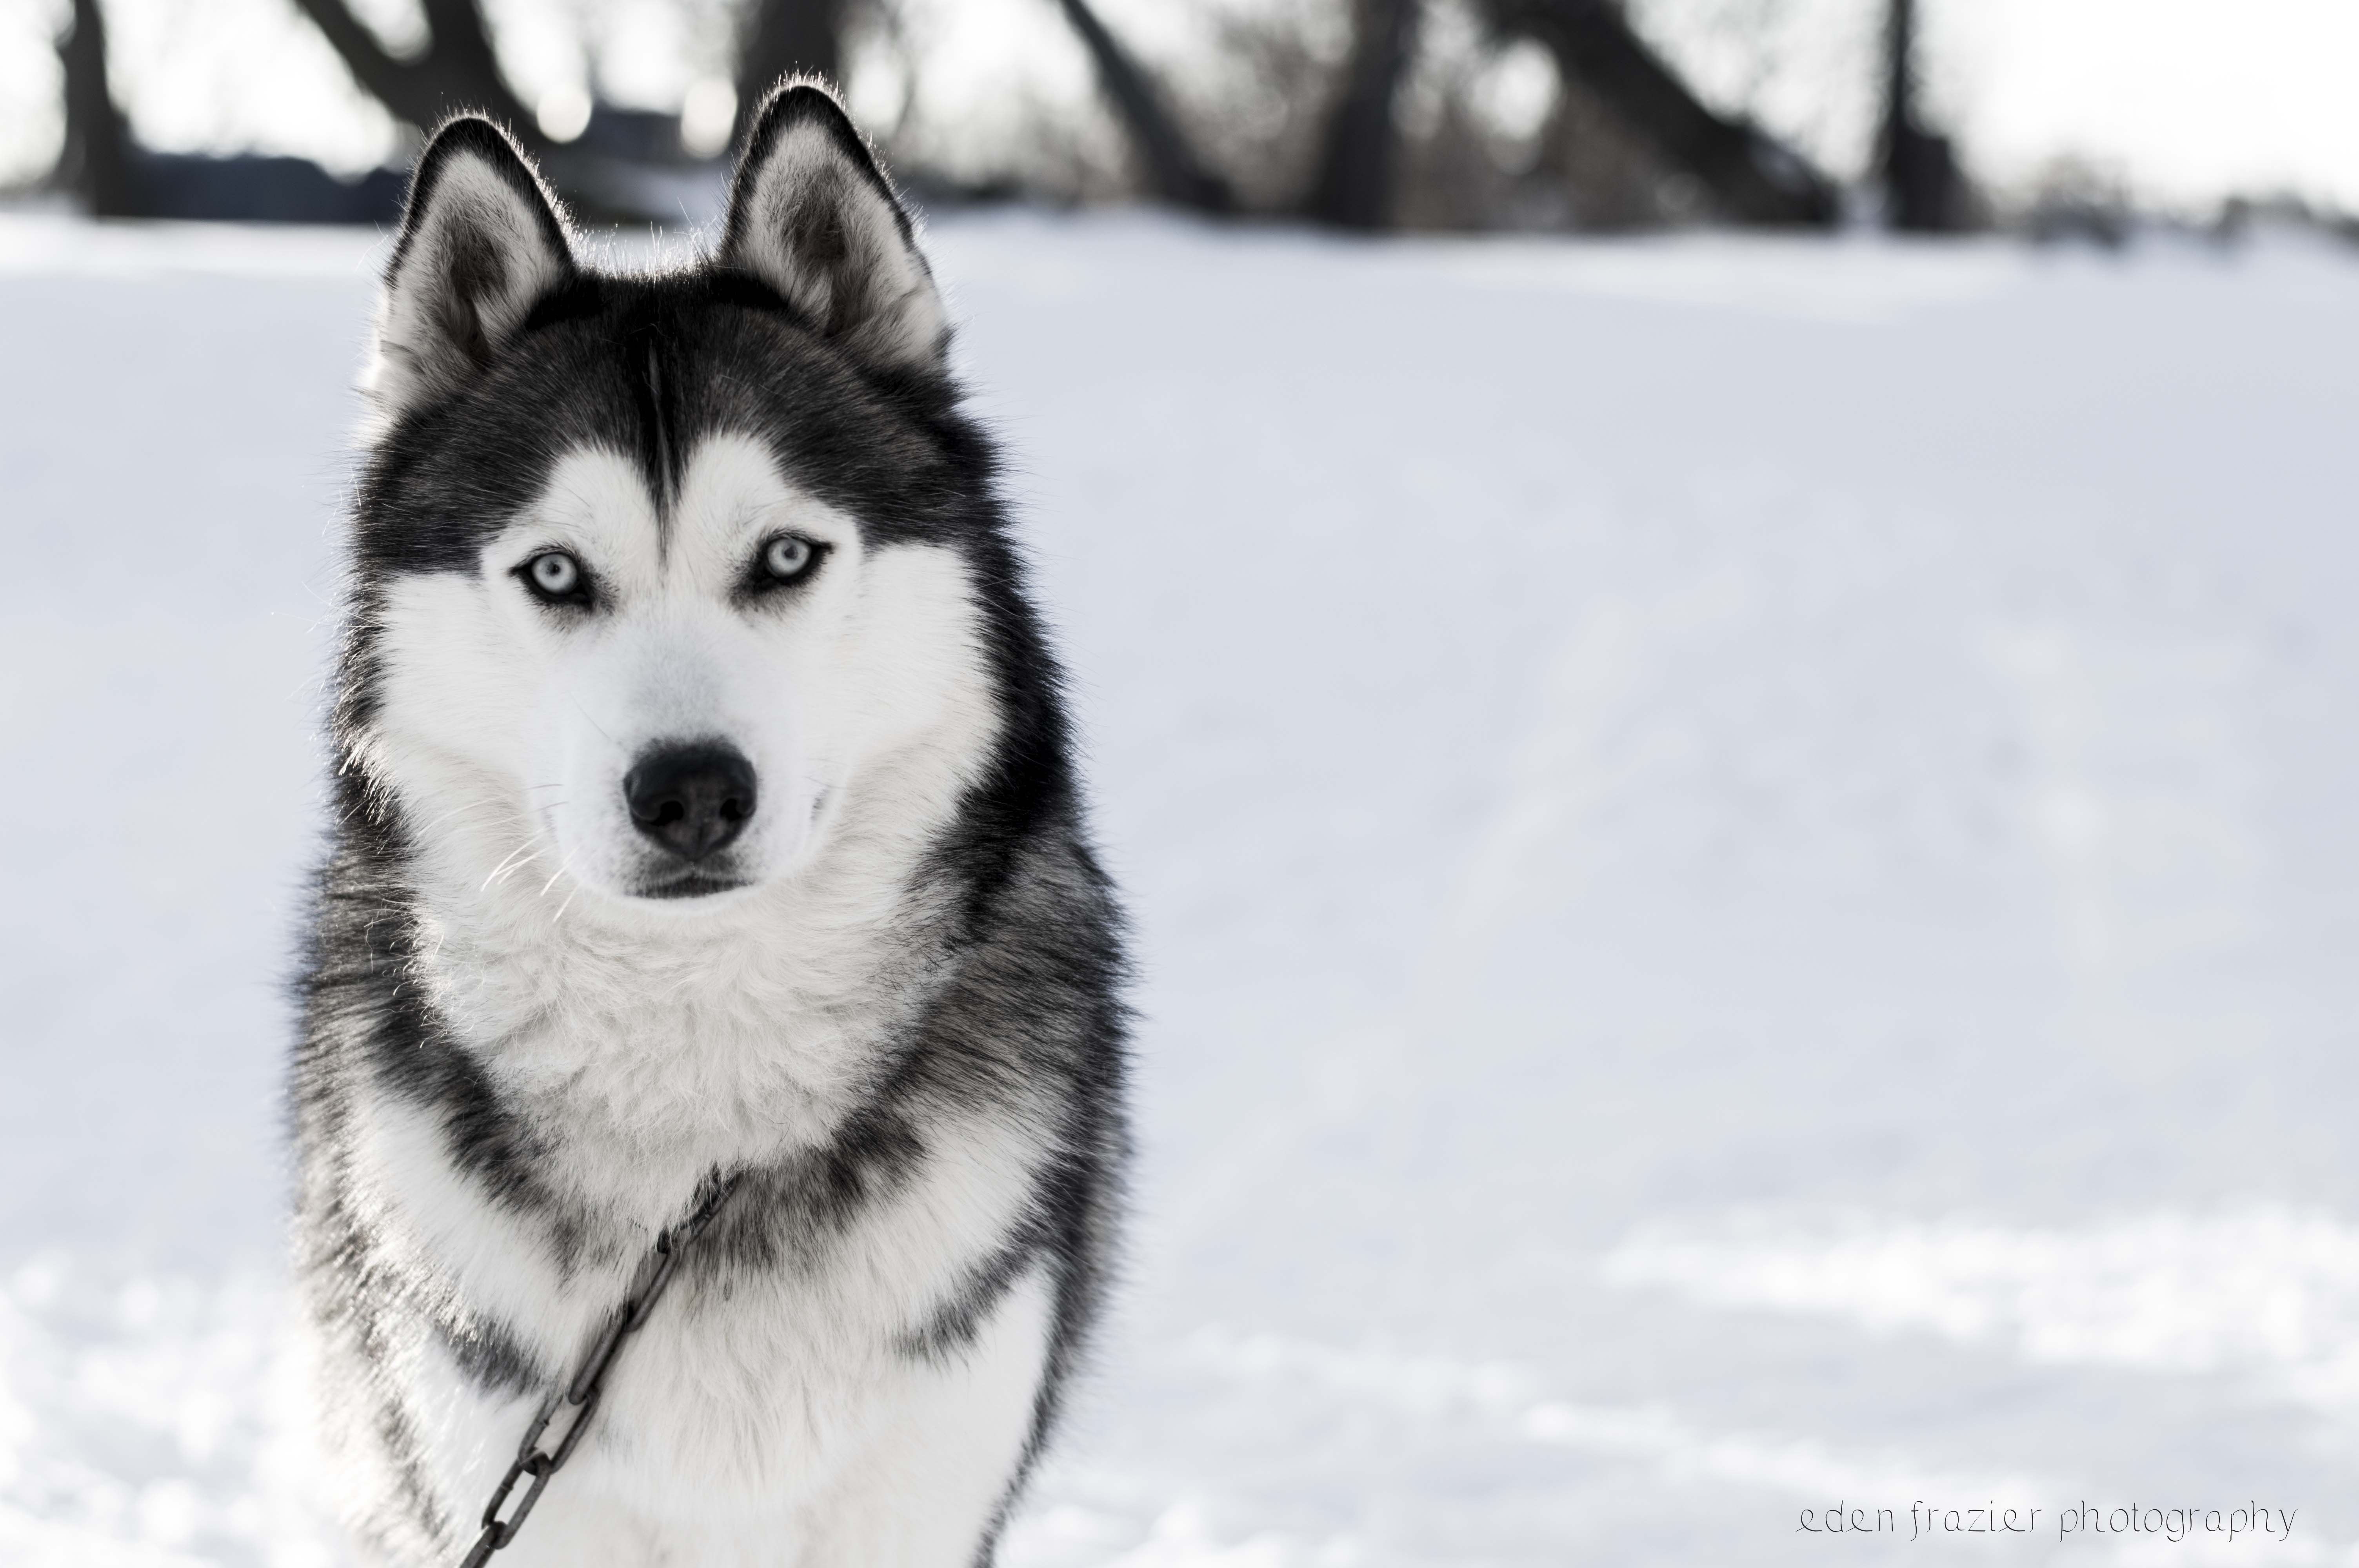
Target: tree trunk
(1172, 166)
(1752, 177)
(1356, 167)
(783, 39)
(1922, 191)
(462, 56)
(96, 161)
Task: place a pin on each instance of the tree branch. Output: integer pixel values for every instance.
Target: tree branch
(1177, 174)
(1753, 178)
(459, 69)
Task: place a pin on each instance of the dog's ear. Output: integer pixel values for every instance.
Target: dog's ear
(482, 243)
(812, 215)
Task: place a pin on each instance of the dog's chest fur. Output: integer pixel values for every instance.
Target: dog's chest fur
(882, 1264)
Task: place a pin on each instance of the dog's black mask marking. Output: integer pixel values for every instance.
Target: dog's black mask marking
(654, 365)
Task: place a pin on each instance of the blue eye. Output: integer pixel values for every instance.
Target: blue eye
(788, 556)
(556, 573)
(555, 577)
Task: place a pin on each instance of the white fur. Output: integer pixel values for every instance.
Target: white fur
(666, 1037)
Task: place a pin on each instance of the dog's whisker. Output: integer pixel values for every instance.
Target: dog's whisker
(510, 874)
(594, 724)
(524, 848)
(458, 811)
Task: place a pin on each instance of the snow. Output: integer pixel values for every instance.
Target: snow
(1742, 856)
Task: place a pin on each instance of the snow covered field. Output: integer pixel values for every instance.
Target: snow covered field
(1744, 855)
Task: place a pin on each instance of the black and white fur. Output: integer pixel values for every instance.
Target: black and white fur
(724, 525)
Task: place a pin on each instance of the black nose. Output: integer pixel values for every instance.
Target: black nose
(692, 800)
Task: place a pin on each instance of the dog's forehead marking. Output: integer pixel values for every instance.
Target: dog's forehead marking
(730, 489)
(658, 420)
(598, 494)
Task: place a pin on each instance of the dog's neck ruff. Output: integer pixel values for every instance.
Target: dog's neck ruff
(650, 1046)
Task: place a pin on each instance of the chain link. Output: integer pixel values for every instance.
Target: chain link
(580, 1395)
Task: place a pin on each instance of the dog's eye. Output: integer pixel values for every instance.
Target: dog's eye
(788, 556)
(556, 573)
(784, 560)
(555, 578)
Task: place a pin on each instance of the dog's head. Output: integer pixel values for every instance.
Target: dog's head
(664, 580)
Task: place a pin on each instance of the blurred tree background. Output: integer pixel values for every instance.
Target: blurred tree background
(1359, 114)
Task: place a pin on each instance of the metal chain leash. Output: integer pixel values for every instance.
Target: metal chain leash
(655, 1272)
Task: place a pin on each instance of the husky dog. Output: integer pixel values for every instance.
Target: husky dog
(703, 810)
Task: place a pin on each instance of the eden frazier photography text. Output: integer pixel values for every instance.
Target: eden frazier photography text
(1922, 1519)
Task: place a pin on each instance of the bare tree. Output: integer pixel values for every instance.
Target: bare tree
(458, 70)
(1750, 176)
(617, 166)
(1922, 188)
(782, 39)
(1360, 161)
(102, 162)
(1174, 170)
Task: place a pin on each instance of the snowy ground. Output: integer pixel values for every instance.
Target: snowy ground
(1745, 856)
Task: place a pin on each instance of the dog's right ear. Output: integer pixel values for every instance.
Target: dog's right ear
(811, 215)
(482, 243)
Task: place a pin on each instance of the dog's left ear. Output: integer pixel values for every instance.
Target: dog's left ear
(812, 215)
